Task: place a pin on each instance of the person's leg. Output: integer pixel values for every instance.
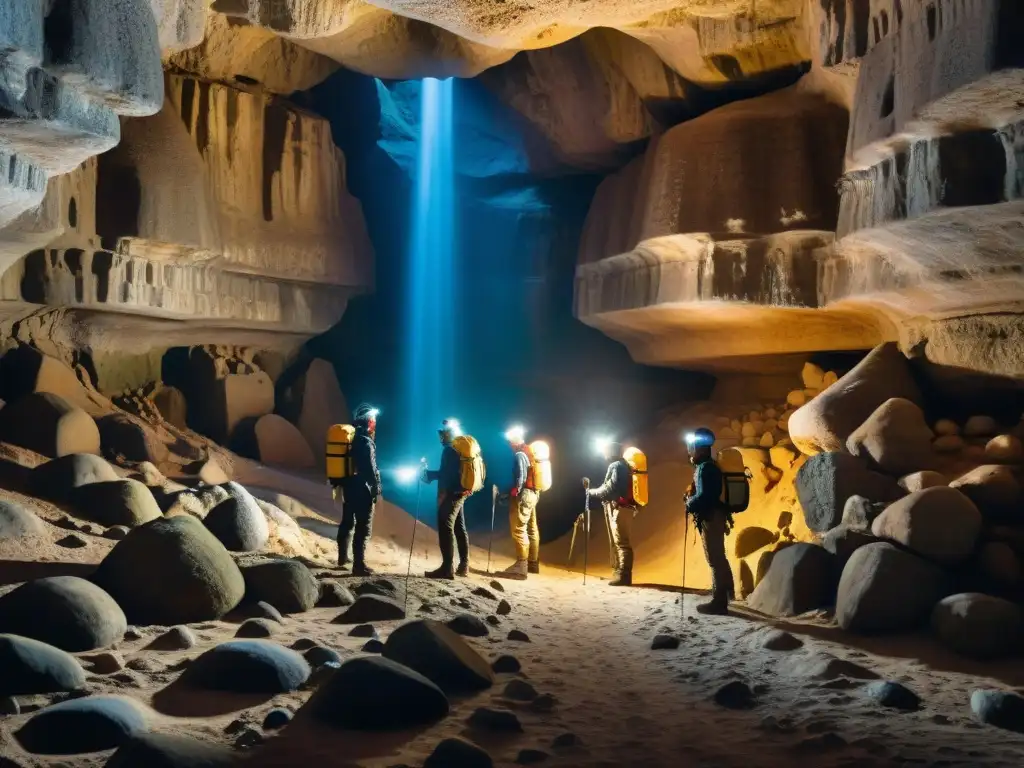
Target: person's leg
(713, 537)
(363, 532)
(446, 514)
(613, 549)
(345, 527)
(622, 525)
(533, 534)
(518, 521)
(461, 536)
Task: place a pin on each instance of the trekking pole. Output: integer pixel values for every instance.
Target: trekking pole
(686, 543)
(412, 544)
(490, 539)
(586, 530)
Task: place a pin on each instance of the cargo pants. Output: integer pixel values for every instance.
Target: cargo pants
(356, 525)
(522, 521)
(713, 536)
(619, 520)
(451, 528)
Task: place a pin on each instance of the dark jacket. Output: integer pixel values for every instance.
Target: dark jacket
(520, 471)
(364, 459)
(449, 476)
(618, 483)
(707, 490)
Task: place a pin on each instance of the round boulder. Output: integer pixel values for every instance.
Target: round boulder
(287, 585)
(981, 426)
(895, 438)
(999, 565)
(116, 502)
(48, 424)
(248, 666)
(886, 589)
(334, 595)
(281, 443)
(1003, 709)
(440, 655)
(1004, 448)
(994, 489)
(801, 578)
(978, 626)
(827, 480)
(166, 750)
(372, 693)
(843, 542)
(16, 522)
(940, 523)
(918, 481)
(468, 624)
(368, 608)
(91, 724)
(458, 753)
(31, 667)
(171, 571)
(125, 439)
(56, 479)
(65, 611)
(239, 524)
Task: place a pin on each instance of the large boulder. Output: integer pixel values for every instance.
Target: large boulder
(939, 523)
(895, 438)
(65, 611)
(995, 490)
(238, 522)
(886, 589)
(999, 565)
(826, 422)
(801, 578)
(371, 608)
(372, 693)
(31, 667)
(92, 724)
(56, 479)
(247, 666)
(48, 424)
(979, 626)
(171, 571)
(124, 439)
(16, 522)
(168, 750)
(313, 400)
(280, 442)
(440, 655)
(287, 585)
(827, 480)
(115, 502)
(843, 542)
(1002, 709)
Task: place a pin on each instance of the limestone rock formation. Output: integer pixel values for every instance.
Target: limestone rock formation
(994, 489)
(46, 423)
(826, 481)
(895, 438)
(282, 444)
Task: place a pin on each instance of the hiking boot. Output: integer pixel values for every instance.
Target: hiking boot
(362, 569)
(344, 564)
(713, 608)
(444, 572)
(462, 570)
(533, 567)
(621, 579)
(517, 571)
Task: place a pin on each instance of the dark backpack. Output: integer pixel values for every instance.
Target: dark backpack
(735, 484)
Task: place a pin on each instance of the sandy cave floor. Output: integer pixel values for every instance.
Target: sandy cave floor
(590, 648)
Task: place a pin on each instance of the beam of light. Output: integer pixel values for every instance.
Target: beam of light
(602, 444)
(431, 333)
(407, 475)
(516, 434)
(690, 438)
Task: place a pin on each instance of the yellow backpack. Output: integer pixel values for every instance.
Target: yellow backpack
(471, 463)
(539, 478)
(637, 462)
(339, 451)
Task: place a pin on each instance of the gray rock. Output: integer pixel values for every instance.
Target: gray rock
(287, 585)
(372, 693)
(263, 610)
(458, 753)
(65, 611)
(56, 479)
(801, 578)
(373, 645)
(565, 741)
(531, 756)
(885, 589)
(115, 502)
(506, 665)
(319, 655)
(543, 703)
(497, 586)
(485, 593)
(104, 663)
(116, 533)
(238, 523)
(381, 587)
(368, 608)
(664, 643)
(72, 541)
(304, 644)
(504, 608)
(16, 522)
(827, 480)
(843, 542)
(248, 666)
(940, 523)
(777, 640)
(468, 624)
(171, 571)
(9, 706)
(735, 695)
(894, 695)
(440, 655)
(334, 595)
(363, 630)
(999, 565)
(277, 718)
(257, 628)
(164, 750)
(90, 724)
(31, 667)
(174, 639)
(520, 690)
(1003, 709)
(978, 626)
(493, 620)
(248, 738)
(493, 719)
(518, 635)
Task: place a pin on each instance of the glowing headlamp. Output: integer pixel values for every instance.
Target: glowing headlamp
(453, 426)
(372, 413)
(690, 438)
(516, 434)
(602, 444)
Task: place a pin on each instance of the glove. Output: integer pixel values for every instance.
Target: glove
(586, 482)
(503, 498)
(513, 492)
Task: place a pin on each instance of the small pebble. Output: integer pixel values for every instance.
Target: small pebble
(519, 636)
(664, 643)
(277, 718)
(491, 719)
(566, 740)
(531, 756)
(543, 703)
(485, 592)
(9, 706)
(497, 585)
(504, 608)
(116, 533)
(373, 645)
(363, 630)
(520, 690)
(248, 738)
(506, 665)
(74, 541)
(493, 620)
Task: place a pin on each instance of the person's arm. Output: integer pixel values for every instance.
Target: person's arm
(449, 475)
(519, 474)
(706, 491)
(607, 490)
(376, 488)
(366, 464)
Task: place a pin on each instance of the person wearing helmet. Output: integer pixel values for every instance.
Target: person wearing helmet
(361, 492)
(616, 497)
(713, 521)
(522, 500)
(451, 498)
